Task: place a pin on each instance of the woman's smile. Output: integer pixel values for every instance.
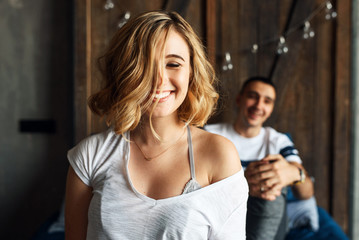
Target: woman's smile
(162, 96)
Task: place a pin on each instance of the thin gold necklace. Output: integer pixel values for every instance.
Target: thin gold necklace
(156, 156)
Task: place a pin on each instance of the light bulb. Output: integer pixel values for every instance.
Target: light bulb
(254, 48)
(329, 11)
(227, 62)
(282, 46)
(308, 32)
(124, 19)
(109, 5)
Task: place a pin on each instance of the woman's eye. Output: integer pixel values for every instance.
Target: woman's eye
(173, 65)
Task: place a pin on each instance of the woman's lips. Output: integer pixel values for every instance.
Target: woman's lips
(162, 96)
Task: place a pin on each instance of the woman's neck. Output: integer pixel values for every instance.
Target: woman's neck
(166, 128)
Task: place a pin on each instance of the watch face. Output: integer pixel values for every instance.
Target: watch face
(302, 175)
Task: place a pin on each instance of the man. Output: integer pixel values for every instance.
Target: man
(269, 158)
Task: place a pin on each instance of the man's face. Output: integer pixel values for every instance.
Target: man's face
(256, 103)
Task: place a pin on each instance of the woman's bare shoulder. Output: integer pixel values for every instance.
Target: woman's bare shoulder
(219, 154)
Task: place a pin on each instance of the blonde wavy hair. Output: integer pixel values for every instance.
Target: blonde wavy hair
(130, 71)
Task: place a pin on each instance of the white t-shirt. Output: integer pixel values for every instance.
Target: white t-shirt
(118, 211)
(268, 141)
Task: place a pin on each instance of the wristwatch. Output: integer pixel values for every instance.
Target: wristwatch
(302, 177)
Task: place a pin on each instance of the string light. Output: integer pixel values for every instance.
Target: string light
(329, 11)
(254, 48)
(282, 46)
(308, 31)
(109, 5)
(124, 19)
(227, 62)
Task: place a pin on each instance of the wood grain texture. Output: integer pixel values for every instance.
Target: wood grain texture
(312, 82)
(341, 136)
(210, 29)
(82, 51)
(312, 79)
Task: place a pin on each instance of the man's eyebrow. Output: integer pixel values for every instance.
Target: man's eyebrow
(255, 92)
(252, 92)
(270, 98)
(175, 56)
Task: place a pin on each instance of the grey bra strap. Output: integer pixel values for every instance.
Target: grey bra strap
(190, 149)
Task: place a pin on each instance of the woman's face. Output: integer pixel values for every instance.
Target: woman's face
(173, 79)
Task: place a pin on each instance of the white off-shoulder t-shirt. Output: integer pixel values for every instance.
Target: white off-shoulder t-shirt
(118, 211)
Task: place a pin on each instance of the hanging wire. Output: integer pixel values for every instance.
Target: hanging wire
(282, 48)
(316, 11)
(327, 5)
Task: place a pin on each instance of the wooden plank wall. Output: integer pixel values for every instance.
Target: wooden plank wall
(303, 76)
(313, 78)
(342, 108)
(313, 82)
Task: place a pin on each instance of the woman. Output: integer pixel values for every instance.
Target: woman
(154, 174)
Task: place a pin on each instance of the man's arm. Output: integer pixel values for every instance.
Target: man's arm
(305, 189)
(267, 177)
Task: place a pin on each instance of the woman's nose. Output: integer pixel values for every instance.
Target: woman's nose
(162, 79)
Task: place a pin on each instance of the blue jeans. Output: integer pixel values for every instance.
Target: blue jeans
(328, 229)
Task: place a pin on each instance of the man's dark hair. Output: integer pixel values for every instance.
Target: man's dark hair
(259, 79)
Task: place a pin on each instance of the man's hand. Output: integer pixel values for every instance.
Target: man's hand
(267, 177)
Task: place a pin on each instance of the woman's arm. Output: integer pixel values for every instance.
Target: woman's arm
(78, 197)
